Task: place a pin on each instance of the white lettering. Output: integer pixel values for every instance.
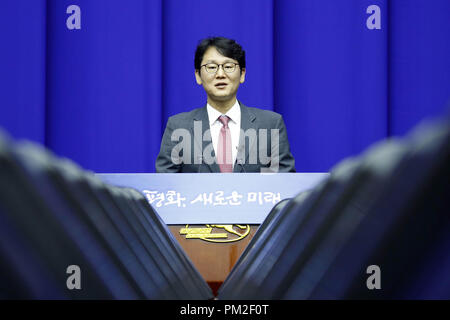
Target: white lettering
(374, 20)
(74, 280)
(74, 20)
(374, 281)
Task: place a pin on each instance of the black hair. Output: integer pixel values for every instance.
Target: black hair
(226, 47)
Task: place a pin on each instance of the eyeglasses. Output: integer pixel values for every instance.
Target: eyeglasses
(228, 67)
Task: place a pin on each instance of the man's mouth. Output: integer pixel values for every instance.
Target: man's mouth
(220, 85)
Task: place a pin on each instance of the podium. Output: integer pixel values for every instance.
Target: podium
(214, 261)
(206, 219)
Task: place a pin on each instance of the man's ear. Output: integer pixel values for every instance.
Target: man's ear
(197, 77)
(242, 79)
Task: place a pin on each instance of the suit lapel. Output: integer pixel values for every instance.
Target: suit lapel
(247, 122)
(202, 116)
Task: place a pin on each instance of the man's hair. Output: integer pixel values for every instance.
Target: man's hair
(226, 47)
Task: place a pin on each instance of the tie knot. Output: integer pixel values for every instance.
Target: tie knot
(224, 120)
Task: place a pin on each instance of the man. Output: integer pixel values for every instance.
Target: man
(225, 135)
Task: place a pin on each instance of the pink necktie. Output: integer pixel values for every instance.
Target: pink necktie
(224, 155)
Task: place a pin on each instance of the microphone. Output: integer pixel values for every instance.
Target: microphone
(240, 162)
(200, 158)
(239, 159)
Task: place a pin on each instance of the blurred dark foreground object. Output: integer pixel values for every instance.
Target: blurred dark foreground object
(378, 228)
(54, 216)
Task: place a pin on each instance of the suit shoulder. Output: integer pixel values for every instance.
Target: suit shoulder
(267, 114)
(183, 116)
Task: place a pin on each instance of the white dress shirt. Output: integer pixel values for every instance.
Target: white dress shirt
(234, 124)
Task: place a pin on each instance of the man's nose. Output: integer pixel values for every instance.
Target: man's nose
(220, 72)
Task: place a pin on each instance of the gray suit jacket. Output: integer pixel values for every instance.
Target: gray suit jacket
(186, 144)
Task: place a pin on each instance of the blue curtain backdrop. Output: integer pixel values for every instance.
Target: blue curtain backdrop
(342, 74)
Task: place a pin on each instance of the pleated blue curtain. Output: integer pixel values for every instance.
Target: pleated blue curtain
(419, 63)
(344, 74)
(22, 68)
(104, 84)
(331, 79)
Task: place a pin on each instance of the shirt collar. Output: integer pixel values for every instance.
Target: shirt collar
(234, 113)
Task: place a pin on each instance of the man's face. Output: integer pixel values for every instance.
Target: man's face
(221, 86)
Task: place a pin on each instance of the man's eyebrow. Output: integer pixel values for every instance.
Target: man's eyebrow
(215, 61)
